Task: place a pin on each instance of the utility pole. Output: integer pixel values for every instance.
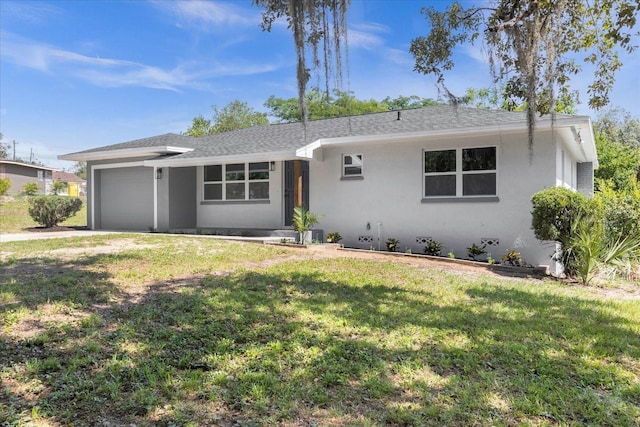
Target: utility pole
(14, 150)
(31, 155)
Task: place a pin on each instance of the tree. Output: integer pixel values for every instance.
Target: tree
(4, 148)
(406, 102)
(57, 187)
(502, 99)
(49, 211)
(618, 143)
(80, 169)
(236, 115)
(320, 105)
(312, 22)
(533, 45)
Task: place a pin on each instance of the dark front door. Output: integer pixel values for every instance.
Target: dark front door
(296, 187)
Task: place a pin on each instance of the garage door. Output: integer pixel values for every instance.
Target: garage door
(126, 198)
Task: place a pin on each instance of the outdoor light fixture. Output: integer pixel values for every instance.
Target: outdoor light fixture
(272, 166)
(159, 173)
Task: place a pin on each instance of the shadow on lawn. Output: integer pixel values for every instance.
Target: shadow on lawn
(274, 347)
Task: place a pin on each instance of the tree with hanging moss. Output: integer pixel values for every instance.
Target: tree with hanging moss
(534, 45)
(319, 30)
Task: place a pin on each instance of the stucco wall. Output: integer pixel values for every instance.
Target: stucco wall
(244, 214)
(21, 175)
(390, 197)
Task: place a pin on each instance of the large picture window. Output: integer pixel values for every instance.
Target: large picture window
(460, 172)
(236, 181)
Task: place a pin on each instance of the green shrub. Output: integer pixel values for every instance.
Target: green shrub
(334, 237)
(392, 244)
(303, 220)
(30, 189)
(49, 211)
(555, 210)
(57, 187)
(474, 251)
(432, 248)
(5, 184)
(621, 209)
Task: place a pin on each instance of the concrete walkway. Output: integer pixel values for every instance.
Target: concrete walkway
(37, 235)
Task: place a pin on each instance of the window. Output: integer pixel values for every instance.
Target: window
(351, 165)
(237, 181)
(460, 172)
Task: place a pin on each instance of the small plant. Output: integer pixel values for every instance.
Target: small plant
(433, 248)
(409, 251)
(5, 184)
(392, 244)
(474, 251)
(334, 237)
(490, 259)
(30, 189)
(451, 255)
(513, 258)
(57, 187)
(303, 220)
(49, 211)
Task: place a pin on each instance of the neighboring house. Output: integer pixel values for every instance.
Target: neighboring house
(75, 186)
(455, 175)
(22, 173)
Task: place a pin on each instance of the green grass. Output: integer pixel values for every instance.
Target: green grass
(191, 331)
(14, 216)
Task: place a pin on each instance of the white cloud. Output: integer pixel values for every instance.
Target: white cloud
(31, 12)
(208, 15)
(109, 72)
(367, 36)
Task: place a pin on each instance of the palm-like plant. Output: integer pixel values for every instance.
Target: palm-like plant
(303, 220)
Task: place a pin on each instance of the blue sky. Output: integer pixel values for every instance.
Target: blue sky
(80, 74)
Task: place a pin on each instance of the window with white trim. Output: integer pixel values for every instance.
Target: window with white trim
(236, 181)
(461, 172)
(351, 165)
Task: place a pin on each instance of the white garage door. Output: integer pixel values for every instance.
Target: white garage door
(126, 198)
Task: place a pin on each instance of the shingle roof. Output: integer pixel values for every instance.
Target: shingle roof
(291, 136)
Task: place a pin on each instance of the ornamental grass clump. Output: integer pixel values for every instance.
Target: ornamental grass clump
(49, 211)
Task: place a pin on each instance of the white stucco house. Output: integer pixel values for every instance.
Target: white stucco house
(452, 174)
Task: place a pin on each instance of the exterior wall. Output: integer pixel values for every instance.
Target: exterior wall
(389, 197)
(243, 214)
(21, 175)
(566, 168)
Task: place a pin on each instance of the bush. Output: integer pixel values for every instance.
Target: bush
(554, 210)
(433, 248)
(49, 211)
(334, 237)
(5, 184)
(30, 189)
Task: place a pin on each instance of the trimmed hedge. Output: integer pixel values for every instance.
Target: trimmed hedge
(49, 211)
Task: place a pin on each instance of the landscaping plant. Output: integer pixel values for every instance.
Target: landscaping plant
(432, 248)
(30, 189)
(392, 244)
(49, 211)
(303, 221)
(334, 237)
(5, 184)
(474, 251)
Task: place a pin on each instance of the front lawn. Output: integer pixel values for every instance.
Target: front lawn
(175, 330)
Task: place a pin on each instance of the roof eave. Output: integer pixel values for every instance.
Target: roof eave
(124, 153)
(208, 160)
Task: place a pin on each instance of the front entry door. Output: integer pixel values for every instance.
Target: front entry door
(296, 187)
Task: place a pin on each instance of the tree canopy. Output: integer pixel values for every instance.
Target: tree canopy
(533, 45)
(235, 115)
